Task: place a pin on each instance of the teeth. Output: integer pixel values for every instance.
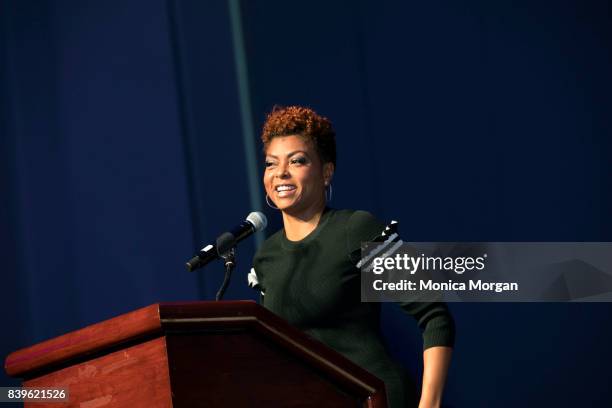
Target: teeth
(284, 188)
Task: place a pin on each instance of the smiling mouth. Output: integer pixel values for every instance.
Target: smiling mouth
(285, 190)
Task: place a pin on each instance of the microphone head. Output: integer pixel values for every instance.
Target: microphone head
(258, 220)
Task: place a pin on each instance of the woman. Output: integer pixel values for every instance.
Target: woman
(307, 271)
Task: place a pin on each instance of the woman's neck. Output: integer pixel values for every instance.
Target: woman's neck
(297, 227)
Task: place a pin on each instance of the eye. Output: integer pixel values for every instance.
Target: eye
(300, 161)
(268, 164)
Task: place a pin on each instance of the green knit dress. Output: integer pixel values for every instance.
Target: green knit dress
(314, 284)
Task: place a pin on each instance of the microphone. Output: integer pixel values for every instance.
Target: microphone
(256, 221)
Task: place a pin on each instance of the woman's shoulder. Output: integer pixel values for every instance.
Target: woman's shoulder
(356, 227)
(359, 221)
(359, 226)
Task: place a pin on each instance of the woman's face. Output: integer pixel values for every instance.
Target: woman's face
(295, 177)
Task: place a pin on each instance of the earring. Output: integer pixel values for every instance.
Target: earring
(328, 199)
(270, 205)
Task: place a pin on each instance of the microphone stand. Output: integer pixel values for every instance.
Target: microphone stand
(229, 259)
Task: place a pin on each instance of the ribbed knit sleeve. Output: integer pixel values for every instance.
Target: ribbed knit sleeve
(433, 318)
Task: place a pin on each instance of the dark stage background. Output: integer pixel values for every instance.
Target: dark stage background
(129, 138)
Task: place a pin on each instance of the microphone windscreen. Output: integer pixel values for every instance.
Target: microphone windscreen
(258, 220)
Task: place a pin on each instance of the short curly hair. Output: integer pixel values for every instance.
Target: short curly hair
(305, 122)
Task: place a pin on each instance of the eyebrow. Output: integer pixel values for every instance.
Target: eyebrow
(288, 155)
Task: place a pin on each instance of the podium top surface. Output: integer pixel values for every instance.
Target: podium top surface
(141, 323)
(161, 319)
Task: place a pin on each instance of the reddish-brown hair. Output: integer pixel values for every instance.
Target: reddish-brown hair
(298, 120)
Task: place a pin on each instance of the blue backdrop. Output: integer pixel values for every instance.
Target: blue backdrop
(129, 138)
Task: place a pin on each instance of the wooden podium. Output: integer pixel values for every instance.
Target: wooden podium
(196, 354)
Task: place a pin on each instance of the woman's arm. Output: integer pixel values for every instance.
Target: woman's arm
(436, 361)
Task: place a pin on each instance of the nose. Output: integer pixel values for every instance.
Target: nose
(282, 171)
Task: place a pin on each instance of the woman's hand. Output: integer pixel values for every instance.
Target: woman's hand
(436, 361)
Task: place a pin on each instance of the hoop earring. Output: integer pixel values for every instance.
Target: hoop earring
(270, 205)
(328, 199)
